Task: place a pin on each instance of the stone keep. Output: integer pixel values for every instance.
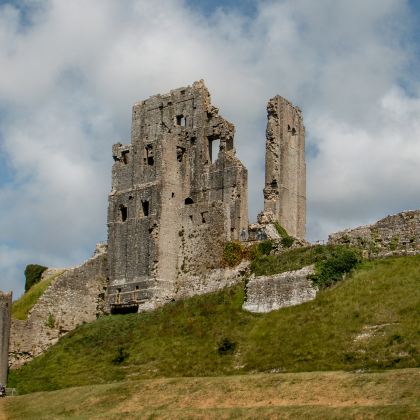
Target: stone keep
(5, 320)
(285, 168)
(175, 199)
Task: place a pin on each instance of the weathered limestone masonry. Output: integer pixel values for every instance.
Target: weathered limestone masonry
(396, 234)
(75, 297)
(5, 313)
(175, 199)
(269, 293)
(285, 168)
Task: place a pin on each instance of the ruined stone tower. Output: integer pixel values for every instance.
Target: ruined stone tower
(5, 320)
(178, 193)
(285, 169)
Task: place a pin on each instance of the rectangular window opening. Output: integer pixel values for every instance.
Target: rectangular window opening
(145, 207)
(181, 120)
(148, 155)
(123, 213)
(214, 147)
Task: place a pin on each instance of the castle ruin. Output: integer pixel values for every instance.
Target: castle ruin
(178, 195)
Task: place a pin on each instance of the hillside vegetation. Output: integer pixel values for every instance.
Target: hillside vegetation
(382, 395)
(22, 306)
(368, 321)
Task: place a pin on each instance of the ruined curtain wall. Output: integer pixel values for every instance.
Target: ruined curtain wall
(5, 318)
(396, 234)
(73, 298)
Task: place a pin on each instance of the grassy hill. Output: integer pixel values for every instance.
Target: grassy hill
(391, 394)
(368, 321)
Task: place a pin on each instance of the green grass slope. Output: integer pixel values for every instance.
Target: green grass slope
(391, 394)
(22, 306)
(368, 321)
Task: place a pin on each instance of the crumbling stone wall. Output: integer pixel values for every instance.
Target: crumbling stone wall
(5, 318)
(399, 233)
(75, 297)
(175, 199)
(269, 293)
(285, 168)
(210, 281)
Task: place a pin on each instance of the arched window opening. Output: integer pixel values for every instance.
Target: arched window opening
(189, 201)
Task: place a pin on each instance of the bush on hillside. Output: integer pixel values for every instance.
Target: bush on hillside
(226, 346)
(33, 273)
(332, 269)
(233, 253)
(259, 250)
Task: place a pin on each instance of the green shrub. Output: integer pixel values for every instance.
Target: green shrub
(292, 259)
(265, 247)
(226, 346)
(120, 356)
(287, 242)
(393, 245)
(233, 253)
(259, 250)
(50, 323)
(33, 273)
(341, 261)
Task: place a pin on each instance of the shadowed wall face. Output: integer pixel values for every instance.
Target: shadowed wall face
(285, 170)
(5, 319)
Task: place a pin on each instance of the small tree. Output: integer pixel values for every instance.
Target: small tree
(33, 273)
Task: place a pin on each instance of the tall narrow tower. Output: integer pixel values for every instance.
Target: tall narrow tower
(285, 168)
(5, 320)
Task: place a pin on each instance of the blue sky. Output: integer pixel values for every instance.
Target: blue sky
(70, 71)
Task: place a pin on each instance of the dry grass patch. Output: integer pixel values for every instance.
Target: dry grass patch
(315, 395)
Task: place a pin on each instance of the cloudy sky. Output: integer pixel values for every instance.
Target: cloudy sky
(71, 69)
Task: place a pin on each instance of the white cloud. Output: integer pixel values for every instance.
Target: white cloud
(68, 80)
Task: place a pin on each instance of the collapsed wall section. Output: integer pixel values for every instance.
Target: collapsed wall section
(5, 320)
(285, 168)
(178, 193)
(395, 234)
(75, 297)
